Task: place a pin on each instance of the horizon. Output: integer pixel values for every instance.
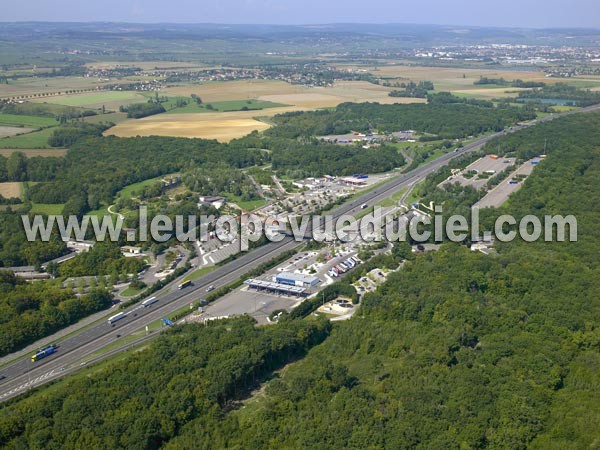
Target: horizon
(513, 14)
(299, 25)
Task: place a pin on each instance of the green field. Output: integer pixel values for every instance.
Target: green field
(200, 272)
(35, 139)
(130, 291)
(96, 99)
(17, 120)
(248, 205)
(129, 191)
(224, 106)
(47, 208)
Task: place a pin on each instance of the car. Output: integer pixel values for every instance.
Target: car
(210, 288)
(2, 377)
(118, 336)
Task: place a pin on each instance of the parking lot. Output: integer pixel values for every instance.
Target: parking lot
(479, 172)
(512, 183)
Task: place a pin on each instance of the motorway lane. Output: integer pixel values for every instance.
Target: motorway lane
(94, 338)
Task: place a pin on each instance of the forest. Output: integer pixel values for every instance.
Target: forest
(456, 350)
(449, 120)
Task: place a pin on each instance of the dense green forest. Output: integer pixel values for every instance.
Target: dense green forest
(30, 311)
(317, 159)
(192, 372)
(456, 350)
(451, 120)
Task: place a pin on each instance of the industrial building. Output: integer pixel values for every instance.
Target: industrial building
(296, 279)
(276, 288)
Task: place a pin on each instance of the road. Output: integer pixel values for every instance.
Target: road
(20, 374)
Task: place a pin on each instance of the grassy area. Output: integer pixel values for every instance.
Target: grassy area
(224, 106)
(95, 99)
(246, 205)
(200, 272)
(36, 139)
(47, 208)
(17, 120)
(129, 191)
(413, 197)
(131, 291)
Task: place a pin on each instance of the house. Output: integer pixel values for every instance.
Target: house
(208, 201)
(129, 250)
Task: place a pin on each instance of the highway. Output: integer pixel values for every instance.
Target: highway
(23, 373)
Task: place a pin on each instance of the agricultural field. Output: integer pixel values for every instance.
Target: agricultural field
(13, 131)
(52, 85)
(225, 126)
(224, 106)
(36, 139)
(145, 65)
(11, 189)
(110, 99)
(221, 126)
(17, 120)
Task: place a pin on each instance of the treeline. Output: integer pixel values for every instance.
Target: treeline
(31, 311)
(146, 400)
(518, 83)
(139, 110)
(447, 119)
(413, 89)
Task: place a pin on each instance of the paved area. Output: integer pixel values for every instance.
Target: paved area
(497, 196)
(487, 167)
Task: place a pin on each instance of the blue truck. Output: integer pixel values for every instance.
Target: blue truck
(43, 353)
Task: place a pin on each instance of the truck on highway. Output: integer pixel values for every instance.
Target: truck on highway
(149, 302)
(42, 353)
(185, 283)
(116, 317)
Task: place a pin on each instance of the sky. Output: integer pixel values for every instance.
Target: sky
(505, 13)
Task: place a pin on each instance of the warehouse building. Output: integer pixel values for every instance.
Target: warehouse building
(296, 279)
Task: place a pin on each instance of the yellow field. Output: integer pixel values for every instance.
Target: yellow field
(10, 189)
(221, 126)
(230, 125)
(234, 90)
(31, 152)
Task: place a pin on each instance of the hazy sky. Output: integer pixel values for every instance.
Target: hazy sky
(517, 13)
